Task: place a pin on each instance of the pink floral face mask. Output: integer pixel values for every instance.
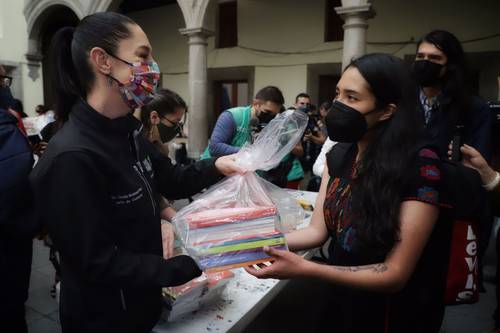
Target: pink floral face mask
(142, 84)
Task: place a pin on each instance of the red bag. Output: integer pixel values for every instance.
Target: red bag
(462, 277)
(465, 193)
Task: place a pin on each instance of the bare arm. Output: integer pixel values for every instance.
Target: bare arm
(417, 223)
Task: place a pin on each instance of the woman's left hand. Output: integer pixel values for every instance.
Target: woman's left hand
(285, 265)
(227, 165)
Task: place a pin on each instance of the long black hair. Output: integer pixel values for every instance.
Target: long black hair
(381, 173)
(453, 81)
(164, 102)
(72, 75)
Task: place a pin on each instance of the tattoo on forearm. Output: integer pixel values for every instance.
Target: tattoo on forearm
(376, 268)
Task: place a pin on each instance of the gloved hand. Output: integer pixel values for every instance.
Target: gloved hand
(182, 269)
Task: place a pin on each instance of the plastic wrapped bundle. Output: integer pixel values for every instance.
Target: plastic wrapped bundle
(225, 238)
(228, 225)
(189, 297)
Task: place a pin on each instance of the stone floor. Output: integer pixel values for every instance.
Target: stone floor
(42, 312)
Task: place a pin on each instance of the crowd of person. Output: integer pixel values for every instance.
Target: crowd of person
(101, 190)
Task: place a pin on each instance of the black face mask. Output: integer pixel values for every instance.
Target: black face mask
(167, 133)
(426, 72)
(265, 117)
(305, 108)
(345, 124)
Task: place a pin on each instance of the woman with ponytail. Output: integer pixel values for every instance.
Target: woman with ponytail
(98, 184)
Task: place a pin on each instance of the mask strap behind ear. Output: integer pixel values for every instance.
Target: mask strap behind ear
(117, 58)
(111, 78)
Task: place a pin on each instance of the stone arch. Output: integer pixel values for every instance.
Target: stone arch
(37, 13)
(194, 12)
(44, 21)
(103, 6)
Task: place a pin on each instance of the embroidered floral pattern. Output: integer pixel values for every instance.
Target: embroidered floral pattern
(428, 194)
(428, 153)
(430, 172)
(347, 239)
(338, 212)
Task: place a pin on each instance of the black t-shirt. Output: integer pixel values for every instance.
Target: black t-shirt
(419, 306)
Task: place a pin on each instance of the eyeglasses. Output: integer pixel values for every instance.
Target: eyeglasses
(7, 80)
(177, 124)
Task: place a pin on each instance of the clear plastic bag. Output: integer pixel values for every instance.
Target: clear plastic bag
(274, 142)
(229, 224)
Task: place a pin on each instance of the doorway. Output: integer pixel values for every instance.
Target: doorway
(327, 87)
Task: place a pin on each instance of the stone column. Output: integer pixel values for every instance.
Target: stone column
(198, 90)
(355, 14)
(34, 65)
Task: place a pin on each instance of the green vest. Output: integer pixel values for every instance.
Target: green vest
(296, 172)
(241, 117)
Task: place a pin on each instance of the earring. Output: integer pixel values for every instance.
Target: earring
(110, 80)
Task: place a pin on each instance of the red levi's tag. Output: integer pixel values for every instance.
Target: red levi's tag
(462, 277)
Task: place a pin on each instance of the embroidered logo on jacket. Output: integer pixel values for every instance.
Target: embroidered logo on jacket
(125, 199)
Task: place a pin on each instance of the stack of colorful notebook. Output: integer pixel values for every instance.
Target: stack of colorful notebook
(227, 238)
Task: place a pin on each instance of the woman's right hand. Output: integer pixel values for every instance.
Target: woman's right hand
(167, 239)
(227, 165)
(473, 159)
(284, 265)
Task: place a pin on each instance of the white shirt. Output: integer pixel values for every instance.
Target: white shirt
(319, 164)
(428, 105)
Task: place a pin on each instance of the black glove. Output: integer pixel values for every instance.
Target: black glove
(181, 269)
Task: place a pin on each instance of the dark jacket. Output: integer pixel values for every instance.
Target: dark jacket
(17, 224)
(477, 127)
(97, 187)
(16, 161)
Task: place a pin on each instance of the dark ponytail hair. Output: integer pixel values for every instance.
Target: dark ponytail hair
(381, 173)
(72, 75)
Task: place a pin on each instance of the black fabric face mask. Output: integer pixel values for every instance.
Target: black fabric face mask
(345, 124)
(426, 72)
(265, 117)
(167, 133)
